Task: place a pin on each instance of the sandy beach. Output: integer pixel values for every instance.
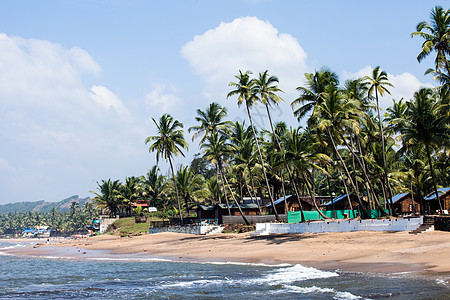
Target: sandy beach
(373, 252)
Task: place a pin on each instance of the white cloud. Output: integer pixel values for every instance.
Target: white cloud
(37, 70)
(246, 43)
(162, 99)
(107, 99)
(404, 85)
(5, 166)
(61, 131)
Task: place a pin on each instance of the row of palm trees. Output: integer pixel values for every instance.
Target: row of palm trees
(77, 218)
(348, 145)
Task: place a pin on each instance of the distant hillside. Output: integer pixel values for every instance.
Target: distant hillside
(42, 206)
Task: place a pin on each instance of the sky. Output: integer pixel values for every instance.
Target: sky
(80, 81)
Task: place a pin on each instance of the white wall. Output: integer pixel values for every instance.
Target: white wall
(340, 226)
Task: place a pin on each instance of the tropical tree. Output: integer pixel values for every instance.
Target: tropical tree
(378, 84)
(427, 124)
(436, 35)
(169, 142)
(130, 192)
(107, 197)
(190, 185)
(216, 147)
(311, 94)
(246, 92)
(210, 120)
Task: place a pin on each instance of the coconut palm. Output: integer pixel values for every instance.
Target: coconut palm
(107, 197)
(216, 148)
(378, 84)
(168, 143)
(210, 120)
(246, 92)
(189, 185)
(154, 185)
(436, 37)
(130, 192)
(311, 93)
(427, 124)
(299, 154)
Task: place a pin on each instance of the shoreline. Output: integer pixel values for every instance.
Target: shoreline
(363, 251)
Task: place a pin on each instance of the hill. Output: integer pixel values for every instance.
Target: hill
(42, 206)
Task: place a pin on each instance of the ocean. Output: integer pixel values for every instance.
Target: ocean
(119, 277)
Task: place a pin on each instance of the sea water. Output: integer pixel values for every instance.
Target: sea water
(58, 277)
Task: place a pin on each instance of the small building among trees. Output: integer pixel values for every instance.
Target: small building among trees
(291, 203)
(341, 203)
(404, 204)
(432, 203)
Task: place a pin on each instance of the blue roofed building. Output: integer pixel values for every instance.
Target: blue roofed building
(432, 203)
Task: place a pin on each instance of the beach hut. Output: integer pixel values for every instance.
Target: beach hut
(444, 197)
(292, 203)
(404, 204)
(341, 203)
(221, 210)
(206, 212)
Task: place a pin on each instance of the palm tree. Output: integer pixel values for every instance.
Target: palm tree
(210, 120)
(129, 192)
(246, 92)
(299, 154)
(108, 196)
(427, 124)
(189, 184)
(311, 93)
(168, 143)
(244, 156)
(154, 185)
(378, 84)
(436, 37)
(336, 115)
(216, 147)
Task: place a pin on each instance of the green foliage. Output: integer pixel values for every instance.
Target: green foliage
(75, 219)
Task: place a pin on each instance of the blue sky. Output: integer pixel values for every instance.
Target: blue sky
(81, 80)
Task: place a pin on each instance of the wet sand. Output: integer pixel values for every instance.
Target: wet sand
(364, 251)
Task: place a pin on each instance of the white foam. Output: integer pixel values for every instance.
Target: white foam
(315, 289)
(243, 264)
(195, 283)
(442, 282)
(134, 259)
(296, 273)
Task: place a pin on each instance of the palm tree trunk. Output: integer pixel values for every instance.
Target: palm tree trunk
(284, 192)
(237, 203)
(262, 164)
(331, 196)
(345, 168)
(365, 175)
(254, 191)
(176, 191)
(291, 178)
(218, 185)
(346, 190)
(225, 191)
(313, 198)
(433, 176)
(383, 150)
(251, 196)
